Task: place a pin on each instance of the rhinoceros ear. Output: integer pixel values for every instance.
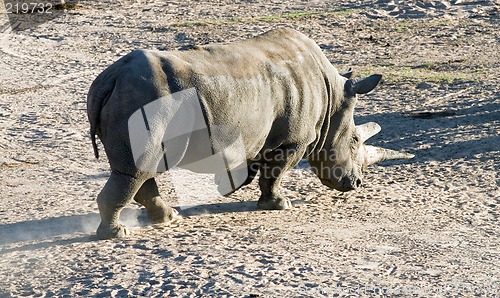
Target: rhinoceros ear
(367, 130)
(362, 86)
(347, 74)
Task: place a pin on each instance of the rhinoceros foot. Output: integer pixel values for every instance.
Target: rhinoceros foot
(162, 214)
(107, 232)
(274, 203)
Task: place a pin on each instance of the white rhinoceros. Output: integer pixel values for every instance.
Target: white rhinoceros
(261, 104)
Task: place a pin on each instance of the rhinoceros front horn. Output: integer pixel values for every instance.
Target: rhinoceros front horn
(377, 154)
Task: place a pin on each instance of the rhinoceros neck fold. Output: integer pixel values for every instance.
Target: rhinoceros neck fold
(332, 101)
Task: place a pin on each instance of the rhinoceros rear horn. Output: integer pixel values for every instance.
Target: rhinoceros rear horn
(377, 154)
(367, 130)
(362, 86)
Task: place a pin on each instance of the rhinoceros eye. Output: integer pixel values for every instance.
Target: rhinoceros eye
(354, 143)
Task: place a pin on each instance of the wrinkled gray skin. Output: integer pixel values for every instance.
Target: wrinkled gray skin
(278, 89)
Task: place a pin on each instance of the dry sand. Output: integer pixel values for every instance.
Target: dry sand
(425, 227)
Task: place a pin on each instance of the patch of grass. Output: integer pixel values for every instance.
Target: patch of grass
(428, 65)
(479, 69)
(267, 18)
(403, 27)
(422, 74)
(298, 15)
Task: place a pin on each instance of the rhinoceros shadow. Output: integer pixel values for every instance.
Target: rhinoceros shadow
(47, 232)
(50, 231)
(220, 207)
(224, 207)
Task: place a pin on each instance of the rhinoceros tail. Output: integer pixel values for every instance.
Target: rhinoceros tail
(94, 144)
(99, 93)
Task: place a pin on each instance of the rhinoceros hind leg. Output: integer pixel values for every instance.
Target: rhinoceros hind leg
(116, 194)
(149, 196)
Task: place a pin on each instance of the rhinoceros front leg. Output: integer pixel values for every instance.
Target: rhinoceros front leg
(149, 196)
(271, 198)
(116, 194)
(271, 173)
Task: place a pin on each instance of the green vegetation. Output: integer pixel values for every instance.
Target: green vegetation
(403, 26)
(267, 18)
(420, 74)
(426, 65)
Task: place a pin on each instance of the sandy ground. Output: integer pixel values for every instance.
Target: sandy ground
(425, 227)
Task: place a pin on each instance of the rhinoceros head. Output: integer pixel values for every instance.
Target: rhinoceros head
(340, 163)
